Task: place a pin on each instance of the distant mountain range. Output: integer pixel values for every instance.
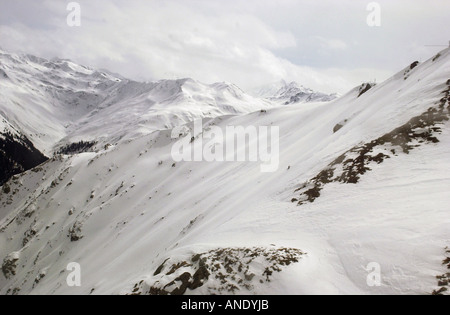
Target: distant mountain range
(56, 102)
(284, 93)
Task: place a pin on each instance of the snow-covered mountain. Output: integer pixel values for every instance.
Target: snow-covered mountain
(284, 93)
(59, 106)
(58, 102)
(363, 183)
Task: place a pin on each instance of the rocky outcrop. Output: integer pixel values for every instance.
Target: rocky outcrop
(220, 271)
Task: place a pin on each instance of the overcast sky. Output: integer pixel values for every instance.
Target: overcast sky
(323, 44)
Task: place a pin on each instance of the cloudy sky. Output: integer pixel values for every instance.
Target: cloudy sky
(324, 44)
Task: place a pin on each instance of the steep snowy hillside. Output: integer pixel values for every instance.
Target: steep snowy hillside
(371, 192)
(58, 102)
(291, 93)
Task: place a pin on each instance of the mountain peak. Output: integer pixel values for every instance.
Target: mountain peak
(285, 93)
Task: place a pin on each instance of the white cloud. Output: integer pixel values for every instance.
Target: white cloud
(332, 44)
(244, 42)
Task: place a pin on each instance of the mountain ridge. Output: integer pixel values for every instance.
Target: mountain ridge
(284, 93)
(63, 95)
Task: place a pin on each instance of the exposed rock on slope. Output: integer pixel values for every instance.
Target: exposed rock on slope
(220, 271)
(349, 167)
(444, 279)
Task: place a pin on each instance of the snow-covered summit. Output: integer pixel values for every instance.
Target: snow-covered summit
(284, 93)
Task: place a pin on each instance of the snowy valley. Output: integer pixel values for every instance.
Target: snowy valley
(363, 180)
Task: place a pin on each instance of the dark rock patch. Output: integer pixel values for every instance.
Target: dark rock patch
(411, 67)
(337, 128)
(75, 232)
(76, 148)
(9, 265)
(17, 155)
(444, 279)
(365, 87)
(436, 57)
